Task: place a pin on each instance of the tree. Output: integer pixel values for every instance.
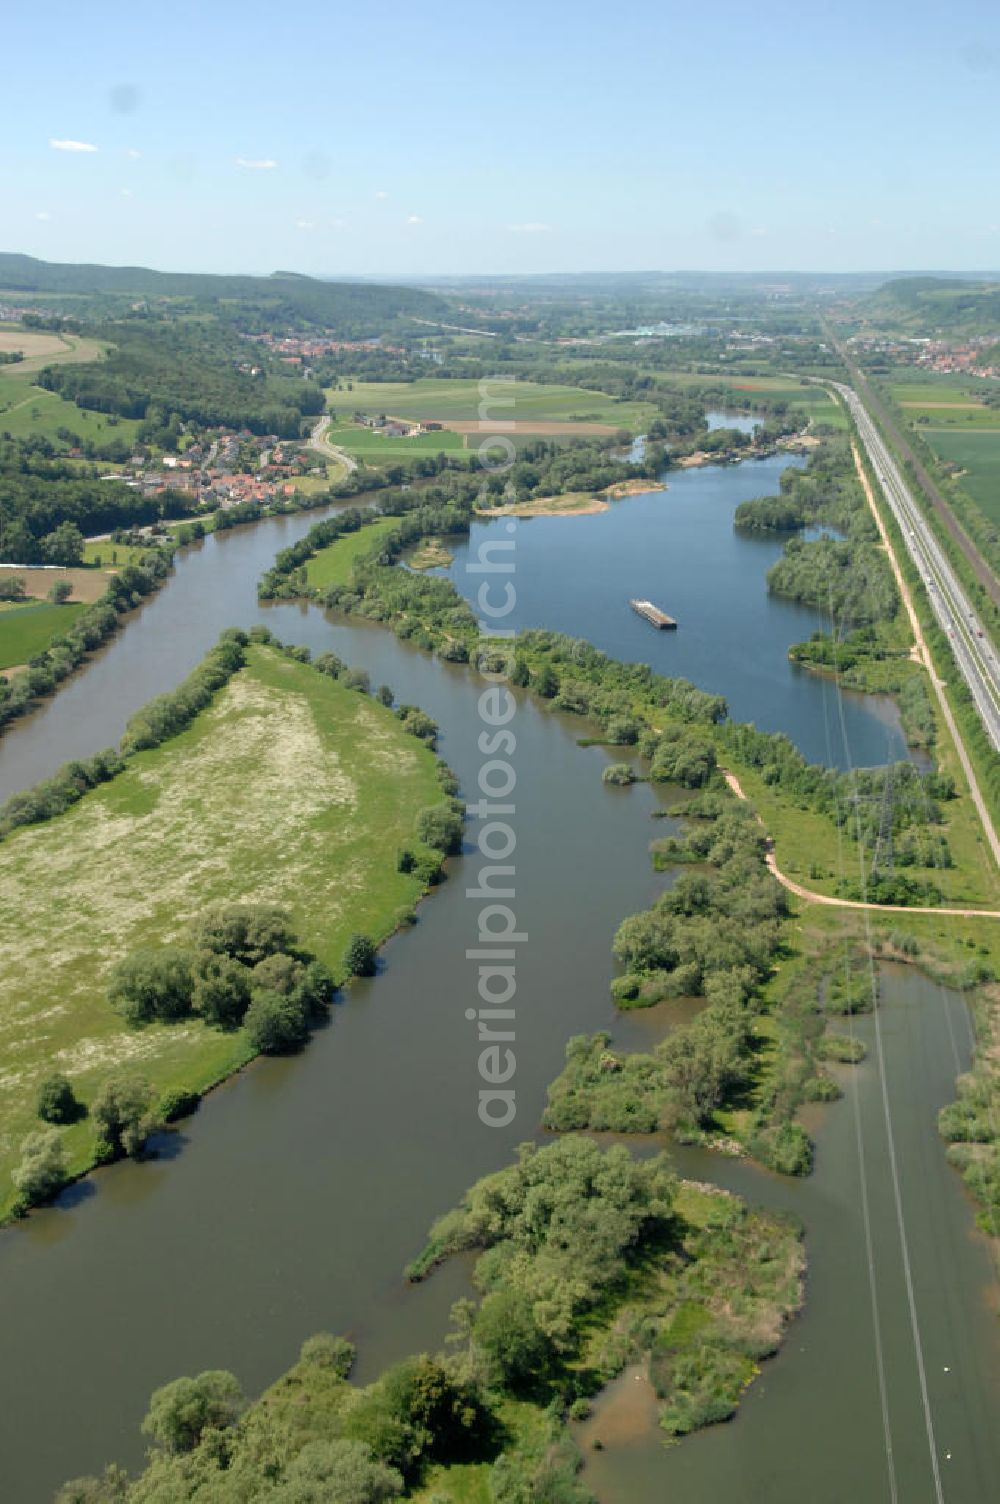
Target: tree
(245, 931)
(337, 1472)
(275, 1024)
(221, 990)
(56, 1101)
(547, 683)
(442, 827)
(507, 1334)
(11, 587)
(360, 959)
(124, 1113)
(111, 1488)
(278, 973)
(64, 545)
(149, 984)
(60, 592)
(42, 1171)
(180, 1412)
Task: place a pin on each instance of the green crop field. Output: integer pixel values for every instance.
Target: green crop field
(28, 629)
(327, 785)
(378, 449)
(977, 453)
(460, 401)
(333, 565)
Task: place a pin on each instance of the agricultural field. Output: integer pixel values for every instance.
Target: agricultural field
(977, 454)
(29, 628)
(943, 402)
(379, 449)
(459, 401)
(324, 807)
(333, 565)
(44, 348)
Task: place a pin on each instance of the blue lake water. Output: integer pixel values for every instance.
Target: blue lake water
(678, 548)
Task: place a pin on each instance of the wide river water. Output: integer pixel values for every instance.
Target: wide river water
(294, 1197)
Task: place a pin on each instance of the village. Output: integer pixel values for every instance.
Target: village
(224, 469)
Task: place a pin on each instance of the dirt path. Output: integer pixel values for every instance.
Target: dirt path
(923, 656)
(811, 896)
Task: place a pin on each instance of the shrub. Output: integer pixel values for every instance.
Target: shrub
(176, 1103)
(56, 1101)
(442, 827)
(152, 984)
(618, 773)
(42, 1171)
(221, 989)
(125, 1115)
(180, 1412)
(326, 1351)
(276, 1024)
(360, 958)
(247, 932)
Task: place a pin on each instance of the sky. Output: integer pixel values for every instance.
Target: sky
(445, 138)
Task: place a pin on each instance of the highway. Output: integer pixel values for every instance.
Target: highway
(974, 653)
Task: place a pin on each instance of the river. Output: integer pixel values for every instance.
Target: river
(293, 1198)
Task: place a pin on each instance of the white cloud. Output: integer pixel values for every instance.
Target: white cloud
(133, 153)
(414, 219)
(43, 214)
(758, 231)
(70, 145)
(381, 193)
(256, 164)
(533, 227)
(305, 224)
(126, 192)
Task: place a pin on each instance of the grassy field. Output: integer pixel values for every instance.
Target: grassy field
(977, 453)
(28, 629)
(27, 409)
(460, 401)
(101, 553)
(327, 785)
(333, 565)
(378, 449)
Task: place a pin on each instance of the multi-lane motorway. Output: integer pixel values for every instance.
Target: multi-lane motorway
(974, 653)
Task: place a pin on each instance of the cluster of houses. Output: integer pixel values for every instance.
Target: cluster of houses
(967, 357)
(299, 349)
(225, 470)
(397, 428)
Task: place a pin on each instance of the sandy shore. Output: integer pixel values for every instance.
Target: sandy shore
(575, 503)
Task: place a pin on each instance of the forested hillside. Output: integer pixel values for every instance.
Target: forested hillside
(283, 300)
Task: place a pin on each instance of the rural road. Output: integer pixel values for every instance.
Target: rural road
(811, 896)
(319, 442)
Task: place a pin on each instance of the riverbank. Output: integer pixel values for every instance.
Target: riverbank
(323, 809)
(575, 503)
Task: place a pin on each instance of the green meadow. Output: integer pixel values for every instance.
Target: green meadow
(28, 629)
(328, 786)
(977, 453)
(812, 401)
(460, 401)
(27, 410)
(334, 565)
